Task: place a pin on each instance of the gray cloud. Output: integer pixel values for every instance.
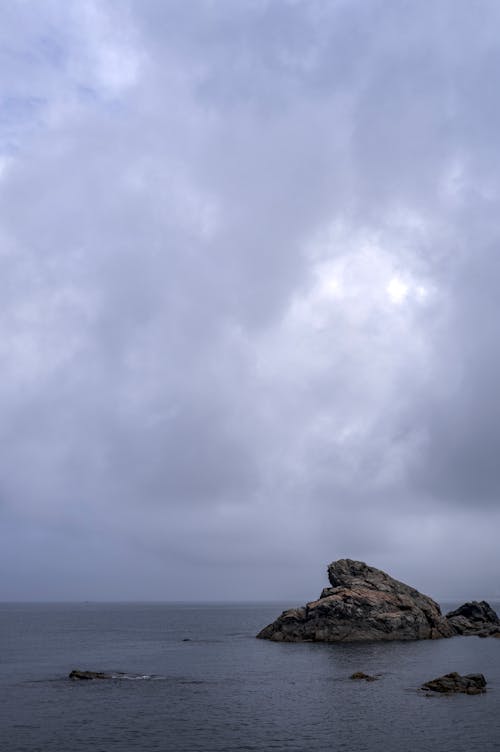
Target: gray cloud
(248, 296)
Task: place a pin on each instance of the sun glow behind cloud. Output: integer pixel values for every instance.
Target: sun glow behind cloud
(356, 277)
(397, 290)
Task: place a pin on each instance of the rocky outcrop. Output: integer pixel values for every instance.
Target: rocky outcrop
(88, 675)
(79, 675)
(474, 618)
(471, 684)
(362, 604)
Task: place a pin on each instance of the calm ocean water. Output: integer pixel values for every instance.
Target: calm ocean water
(222, 689)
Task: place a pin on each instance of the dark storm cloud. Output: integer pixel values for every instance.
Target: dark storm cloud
(248, 286)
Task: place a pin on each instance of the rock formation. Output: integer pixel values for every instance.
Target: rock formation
(471, 684)
(79, 675)
(362, 604)
(88, 675)
(474, 618)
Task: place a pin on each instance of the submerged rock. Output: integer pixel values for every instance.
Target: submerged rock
(362, 675)
(362, 604)
(471, 684)
(474, 618)
(89, 675)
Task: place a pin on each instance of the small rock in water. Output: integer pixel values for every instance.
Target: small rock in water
(362, 675)
(88, 675)
(471, 684)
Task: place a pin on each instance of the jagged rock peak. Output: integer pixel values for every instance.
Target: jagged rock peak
(348, 573)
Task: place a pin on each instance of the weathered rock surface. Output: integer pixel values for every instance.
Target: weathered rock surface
(474, 618)
(362, 604)
(89, 675)
(471, 684)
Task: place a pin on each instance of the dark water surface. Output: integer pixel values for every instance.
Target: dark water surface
(225, 690)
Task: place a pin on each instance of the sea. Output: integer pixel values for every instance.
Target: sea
(193, 678)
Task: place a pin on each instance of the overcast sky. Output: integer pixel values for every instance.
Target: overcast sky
(249, 296)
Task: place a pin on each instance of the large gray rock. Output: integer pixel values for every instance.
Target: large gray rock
(474, 618)
(362, 604)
